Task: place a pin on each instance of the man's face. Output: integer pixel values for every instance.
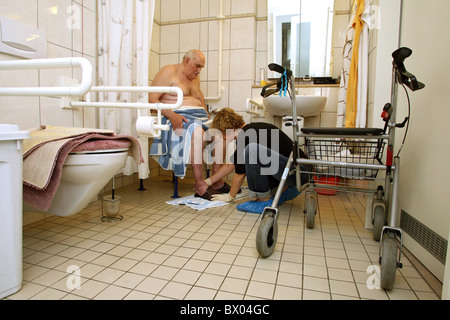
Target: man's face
(194, 66)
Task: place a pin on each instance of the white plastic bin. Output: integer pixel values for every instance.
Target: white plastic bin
(11, 208)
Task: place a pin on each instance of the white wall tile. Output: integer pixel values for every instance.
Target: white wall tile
(241, 64)
(77, 33)
(156, 38)
(214, 35)
(213, 66)
(328, 119)
(153, 65)
(53, 115)
(242, 7)
(332, 98)
(261, 43)
(52, 77)
(213, 8)
(166, 59)
(239, 92)
(243, 33)
(204, 35)
(189, 36)
(213, 92)
(89, 4)
(337, 62)
(309, 91)
(340, 25)
(190, 9)
(89, 33)
(53, 19)
(170, 39)
(14, 109)
(158, 10)
(204, 8)
(170, 10)
(23, 11)
(341, 5)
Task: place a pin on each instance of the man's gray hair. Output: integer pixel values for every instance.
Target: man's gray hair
(190, 54)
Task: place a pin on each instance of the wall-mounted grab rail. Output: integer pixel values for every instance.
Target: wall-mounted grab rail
(255, 107)
(132, 105)
(148, 125)
(80, 90)
(145, 125)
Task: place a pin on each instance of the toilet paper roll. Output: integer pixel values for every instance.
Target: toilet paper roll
(146, 126)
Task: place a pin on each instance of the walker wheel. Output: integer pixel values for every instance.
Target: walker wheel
(266, 237)
(388, 261)
(379, 218)
(310, 212)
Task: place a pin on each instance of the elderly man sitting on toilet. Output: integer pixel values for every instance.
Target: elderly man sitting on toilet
(185, 142)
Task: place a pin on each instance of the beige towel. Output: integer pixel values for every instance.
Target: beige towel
(44, 134)
(42, 150)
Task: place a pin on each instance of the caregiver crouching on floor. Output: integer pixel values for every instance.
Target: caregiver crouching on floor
(262, 151)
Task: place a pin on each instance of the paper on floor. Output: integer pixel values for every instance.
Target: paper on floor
(196, 202)
(202, 204)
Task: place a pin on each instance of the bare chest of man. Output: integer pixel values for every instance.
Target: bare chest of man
(191, 92)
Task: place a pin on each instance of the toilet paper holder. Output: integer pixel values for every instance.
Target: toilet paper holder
(151, 126)
(145, 125)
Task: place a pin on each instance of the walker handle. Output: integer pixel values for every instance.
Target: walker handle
(277, 68)
(403, 76)
(400, 55)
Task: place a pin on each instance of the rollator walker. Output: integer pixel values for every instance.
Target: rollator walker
(348, 160)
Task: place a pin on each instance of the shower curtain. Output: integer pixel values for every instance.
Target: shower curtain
(124, 38)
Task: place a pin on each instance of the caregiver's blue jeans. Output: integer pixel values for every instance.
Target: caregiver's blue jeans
(264, 168)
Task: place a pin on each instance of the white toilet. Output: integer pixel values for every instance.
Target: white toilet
(83, 177)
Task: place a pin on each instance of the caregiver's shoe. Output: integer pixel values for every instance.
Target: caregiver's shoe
(254, 206)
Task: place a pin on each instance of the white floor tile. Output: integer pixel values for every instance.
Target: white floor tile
(159, 251)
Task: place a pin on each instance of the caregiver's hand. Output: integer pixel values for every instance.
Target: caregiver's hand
(225, 197)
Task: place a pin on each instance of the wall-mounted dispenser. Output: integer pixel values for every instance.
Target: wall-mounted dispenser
(22, 40)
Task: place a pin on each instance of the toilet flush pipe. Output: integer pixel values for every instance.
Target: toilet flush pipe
(54, 63)
(221, 17)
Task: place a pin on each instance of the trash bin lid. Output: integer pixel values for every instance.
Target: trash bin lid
(12, 132)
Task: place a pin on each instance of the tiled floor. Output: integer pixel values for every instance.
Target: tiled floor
(160, 251)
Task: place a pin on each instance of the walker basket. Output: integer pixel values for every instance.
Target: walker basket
(338, 155)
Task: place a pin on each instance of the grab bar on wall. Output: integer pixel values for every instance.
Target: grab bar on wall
(132, 105)
(255, 107)
(84, 88)
(149, 126)
(54, 63)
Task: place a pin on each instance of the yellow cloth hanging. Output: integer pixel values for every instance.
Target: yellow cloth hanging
(352, 93)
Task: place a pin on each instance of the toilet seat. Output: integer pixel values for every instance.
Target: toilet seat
(94, 157)
(100, 151)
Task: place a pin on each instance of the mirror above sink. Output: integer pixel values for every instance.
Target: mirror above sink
(307, 105)
(300, 36)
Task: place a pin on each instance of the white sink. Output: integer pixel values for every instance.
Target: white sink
(307, 106)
